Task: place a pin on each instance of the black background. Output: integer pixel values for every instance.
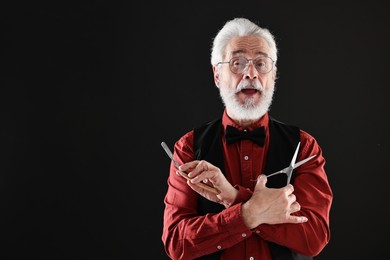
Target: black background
(89, 91)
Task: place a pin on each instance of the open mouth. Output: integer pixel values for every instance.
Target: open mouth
(249, 91)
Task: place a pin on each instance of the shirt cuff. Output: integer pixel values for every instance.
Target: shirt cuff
(244, 194)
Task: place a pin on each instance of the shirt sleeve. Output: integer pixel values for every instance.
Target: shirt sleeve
(187, 235)
(314, 194)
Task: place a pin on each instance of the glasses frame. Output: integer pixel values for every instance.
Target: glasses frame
(247, 64)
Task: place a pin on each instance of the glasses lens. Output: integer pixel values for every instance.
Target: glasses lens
(238, 64)
(263, 64)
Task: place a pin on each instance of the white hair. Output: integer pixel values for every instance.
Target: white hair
(239, 27)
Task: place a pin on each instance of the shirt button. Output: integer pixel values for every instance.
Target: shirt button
(219, 247)
(257, 231)
(243, 235)
(246, 157)
(251, 258)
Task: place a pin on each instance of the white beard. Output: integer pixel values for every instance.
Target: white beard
(248, 110)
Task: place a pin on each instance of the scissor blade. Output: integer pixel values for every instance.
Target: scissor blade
(292, 163)
(303, 161)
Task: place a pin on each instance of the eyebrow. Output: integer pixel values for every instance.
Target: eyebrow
(234, 53)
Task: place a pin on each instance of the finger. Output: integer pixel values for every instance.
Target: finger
(261, 181)
(289, 189)
(292, 198)
(297, 219)
(188, 165)
(295, 207)
(201, 167)
(204, 176)
(206, 181)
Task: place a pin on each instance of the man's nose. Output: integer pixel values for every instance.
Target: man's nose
(251, 72)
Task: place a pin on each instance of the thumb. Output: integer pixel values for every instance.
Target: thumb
(261, 181)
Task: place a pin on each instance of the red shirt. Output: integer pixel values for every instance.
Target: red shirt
(187, 235)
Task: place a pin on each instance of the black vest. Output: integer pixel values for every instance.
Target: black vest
(283, 142)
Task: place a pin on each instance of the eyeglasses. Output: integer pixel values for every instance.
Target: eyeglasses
(240, 64)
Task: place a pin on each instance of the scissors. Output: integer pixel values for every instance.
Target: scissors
(289, 169)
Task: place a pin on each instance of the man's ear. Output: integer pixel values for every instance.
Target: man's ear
(216, 75)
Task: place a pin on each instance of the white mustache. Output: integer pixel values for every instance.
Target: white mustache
(245, 84)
